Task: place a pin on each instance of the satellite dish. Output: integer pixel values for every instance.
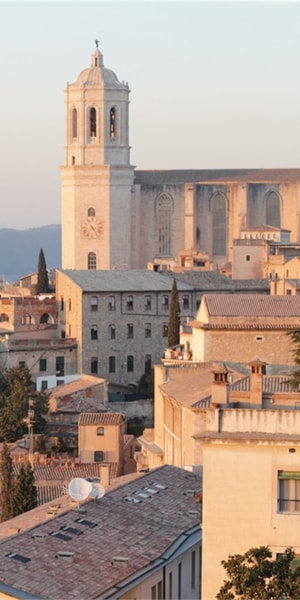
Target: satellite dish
(79, 489)
(97, 490)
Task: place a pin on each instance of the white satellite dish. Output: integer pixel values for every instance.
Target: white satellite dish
(79, 489)
(97, 490)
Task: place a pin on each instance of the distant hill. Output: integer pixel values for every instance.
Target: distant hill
(19, 250)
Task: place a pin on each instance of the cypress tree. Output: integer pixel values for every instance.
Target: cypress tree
(42, 280)
(174, 317)
(24, 496)
(295, 337)
(6, 473)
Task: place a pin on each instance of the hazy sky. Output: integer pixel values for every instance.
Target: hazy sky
(213, 85)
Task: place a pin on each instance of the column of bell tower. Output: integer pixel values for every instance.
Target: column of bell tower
(97, 178)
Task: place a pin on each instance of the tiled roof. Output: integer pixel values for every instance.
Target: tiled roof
(254, 305)
(138, 280)
(140, 531)
(83, 382)
(272, 384)
(108, 418)
(157, 177)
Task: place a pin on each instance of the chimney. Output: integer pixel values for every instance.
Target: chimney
(219, 389)
(105, 475)
(258, 369)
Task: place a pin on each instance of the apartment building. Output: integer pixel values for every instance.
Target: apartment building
(119, 319)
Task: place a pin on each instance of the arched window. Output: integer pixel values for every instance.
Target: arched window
(91, 212)
(93, 122)
(272, 203)
(4, 317)
(164, 209)
(219, 224)
(74, 123)
(92, 260)
(112, 123)
(45, 318)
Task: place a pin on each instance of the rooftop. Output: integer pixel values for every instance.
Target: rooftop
(136, 280)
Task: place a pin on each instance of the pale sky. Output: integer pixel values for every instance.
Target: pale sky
(213, 85)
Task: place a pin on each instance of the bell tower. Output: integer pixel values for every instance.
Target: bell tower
(97, 178)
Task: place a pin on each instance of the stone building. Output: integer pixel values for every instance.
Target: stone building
(119, 319)
(115, 216)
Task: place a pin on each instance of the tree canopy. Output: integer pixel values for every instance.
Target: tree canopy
(6, 475)
(255, 576)
(16, 389)
(174, 317)
(42, 278)
(295, 337)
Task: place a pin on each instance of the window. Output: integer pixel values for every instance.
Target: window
(44, 385)
(111, 332)
(93, 122)
(74, 123)
(73, 160)
(219, 224)
(159, 591)
(94, 365)
(94, 303)
(92, 261)
(193, 570)
(179, 582)
(130, 364)
(129, 302)
(111, 364)
(4, 317)
(100, 430)
(99, 456)
(94, 332)
(248, 257)
(130, 330)
(22, 364)
(147, 330)
(70, 304)
(112, 123)
(164, 210)
(91, 212)
(185, 302)
(147, 363)
(165, 302)
(111, 303)
(288, 491)
(43, 364)
(147, 302)
(288, 292)
(62, 303)
(170, 585)
(60, 366)
(165, 330)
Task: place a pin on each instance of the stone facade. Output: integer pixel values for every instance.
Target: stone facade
(114, 216)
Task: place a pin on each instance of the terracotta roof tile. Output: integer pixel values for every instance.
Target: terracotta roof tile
(254, 305)
(141, 532)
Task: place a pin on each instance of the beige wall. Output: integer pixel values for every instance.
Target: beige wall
(109, 443)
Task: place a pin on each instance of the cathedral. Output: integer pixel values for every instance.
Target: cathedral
(117, 217)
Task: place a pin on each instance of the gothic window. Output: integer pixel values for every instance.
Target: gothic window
(164, 209)
(219, 224)
(92, 261)
(91, 212)
(93, 122)
(112, 123)
(74, 123)
(272, 203)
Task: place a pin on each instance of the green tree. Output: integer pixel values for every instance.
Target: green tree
(255, 576)
(295, 337)
(42, 278)
(174, 317)
(16, 389)
(24, 496)
(6, 474)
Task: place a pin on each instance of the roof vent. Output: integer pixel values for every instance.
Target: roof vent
(120, 561)
(65, 555)
(38, 536)
(13, 530)
(194, 513)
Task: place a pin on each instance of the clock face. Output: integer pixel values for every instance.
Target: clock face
(92, 227)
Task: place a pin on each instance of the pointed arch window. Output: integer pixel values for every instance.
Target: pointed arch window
(92, 260)
(164, 210)
(219, 224)
(93, 122)
(272, 203)
(74, 123)
(112, 123)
